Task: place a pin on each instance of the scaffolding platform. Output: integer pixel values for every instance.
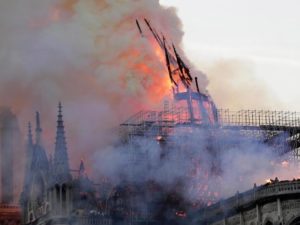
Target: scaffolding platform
(276, 128)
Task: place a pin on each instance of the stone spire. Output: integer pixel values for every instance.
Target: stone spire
(28, 175)
(61, 160)
(29, 136)
(29, 149)
(81, 168)
(38, 129)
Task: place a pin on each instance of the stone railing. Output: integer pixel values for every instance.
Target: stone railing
(245, 199)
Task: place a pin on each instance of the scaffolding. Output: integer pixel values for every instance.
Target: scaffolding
(280, 129)
(195, 109)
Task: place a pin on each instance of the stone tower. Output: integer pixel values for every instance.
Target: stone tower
(61, 169)
(61, 179)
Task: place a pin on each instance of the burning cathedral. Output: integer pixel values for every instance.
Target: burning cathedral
(55, 194)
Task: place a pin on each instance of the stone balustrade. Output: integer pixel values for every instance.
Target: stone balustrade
(241, 202)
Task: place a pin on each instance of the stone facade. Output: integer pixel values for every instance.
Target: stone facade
(51, 195)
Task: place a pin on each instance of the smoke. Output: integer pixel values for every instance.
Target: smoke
(234, 85)
(87, 54)
(210, 166)
(9, 145)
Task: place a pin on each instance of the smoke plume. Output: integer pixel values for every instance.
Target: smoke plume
(234, 85)
(87, 54)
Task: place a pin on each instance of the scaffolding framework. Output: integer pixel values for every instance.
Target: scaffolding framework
(280, 129)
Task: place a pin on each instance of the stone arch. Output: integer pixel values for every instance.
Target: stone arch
(57, 192)
(64, 197)
(64, 192)
(268, 221)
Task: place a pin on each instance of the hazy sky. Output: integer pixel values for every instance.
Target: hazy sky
(261, 36)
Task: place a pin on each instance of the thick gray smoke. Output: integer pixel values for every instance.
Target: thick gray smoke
(210, 167)
(87, 54)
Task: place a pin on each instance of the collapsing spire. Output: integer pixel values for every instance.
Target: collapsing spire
(38, 129)
(61, 161)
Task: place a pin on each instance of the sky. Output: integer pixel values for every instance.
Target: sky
(256, 43)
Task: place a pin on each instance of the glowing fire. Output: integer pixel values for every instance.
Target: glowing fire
(268, 181)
